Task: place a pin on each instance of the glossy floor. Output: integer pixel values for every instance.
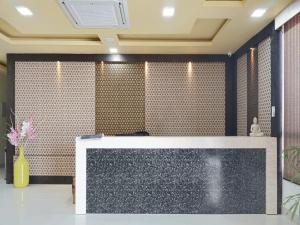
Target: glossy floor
(52, 204)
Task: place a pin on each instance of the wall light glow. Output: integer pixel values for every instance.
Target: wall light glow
(58, 73)
(102, 67)
(146, 69)
(190, 69)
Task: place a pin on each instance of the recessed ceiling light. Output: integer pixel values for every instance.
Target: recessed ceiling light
(24, 11)
(113, 50)
(168, 11)
(258, 13)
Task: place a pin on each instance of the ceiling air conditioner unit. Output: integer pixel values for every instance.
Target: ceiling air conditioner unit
(97, 13)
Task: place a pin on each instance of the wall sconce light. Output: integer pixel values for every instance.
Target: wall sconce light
(190, 68)
(58, 73)
(146, 69)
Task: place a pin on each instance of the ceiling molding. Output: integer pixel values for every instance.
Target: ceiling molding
(176, 42)
(2, 67)
(232, 3)
(287, 14)
(163, 43)
(225, 23)
(35, 40)
(194, 29)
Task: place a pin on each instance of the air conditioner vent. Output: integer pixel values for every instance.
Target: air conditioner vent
(97, 13)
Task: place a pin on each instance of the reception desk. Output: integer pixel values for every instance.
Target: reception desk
(176, 175)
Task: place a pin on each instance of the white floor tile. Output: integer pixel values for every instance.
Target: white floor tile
(52, 205)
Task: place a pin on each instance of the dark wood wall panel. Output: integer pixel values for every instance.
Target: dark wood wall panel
(120, 98)
(242, 95)
(252, 83)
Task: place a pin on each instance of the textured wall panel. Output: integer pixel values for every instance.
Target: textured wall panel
(120, 98)
(252, 87)
(185, 99)
(242, 96)
(179, 181)
(51, 165)
(264, 86)
(60, 97)
(291, 90)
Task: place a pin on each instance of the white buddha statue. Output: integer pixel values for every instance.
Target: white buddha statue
(255, 129)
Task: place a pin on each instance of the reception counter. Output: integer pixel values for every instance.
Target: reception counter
(176, 175)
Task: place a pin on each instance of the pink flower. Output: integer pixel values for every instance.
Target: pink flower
(21, 134)
(30, 130)
(14, 136)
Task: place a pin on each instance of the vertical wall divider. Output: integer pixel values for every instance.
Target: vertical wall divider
(230, 97)
(252, 86)
(10, 117)
(276, 100)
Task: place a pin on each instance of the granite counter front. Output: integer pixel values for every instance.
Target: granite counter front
(176, 175)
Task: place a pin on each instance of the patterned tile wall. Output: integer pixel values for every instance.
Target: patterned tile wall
(120, 98)
(264, 86)
(252, 86)
(242, 96)
(185, 99)
(60, 96)
(63, 165)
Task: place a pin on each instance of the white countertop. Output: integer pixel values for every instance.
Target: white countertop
(177, 142)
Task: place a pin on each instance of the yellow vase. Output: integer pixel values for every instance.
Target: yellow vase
(21, 170)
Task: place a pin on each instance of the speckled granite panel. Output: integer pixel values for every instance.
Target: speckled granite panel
(179, 181)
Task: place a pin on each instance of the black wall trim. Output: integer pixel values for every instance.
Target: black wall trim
(50, 180)
(10, 117)
(230, 98)
(276, 82)
(115, 58)
(276, 96)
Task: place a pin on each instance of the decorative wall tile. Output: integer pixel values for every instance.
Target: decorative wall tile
(120, 98)
(185, 99)
(60, 97)
(264, 86)
(41, 165)
(242, 96)
(252, 86)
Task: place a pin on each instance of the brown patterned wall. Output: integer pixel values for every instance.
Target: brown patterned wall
(242, 96)
(291, 90)
(252, 87)
(264, 86)
(185, 99)
(60, 97)
(120, 98)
